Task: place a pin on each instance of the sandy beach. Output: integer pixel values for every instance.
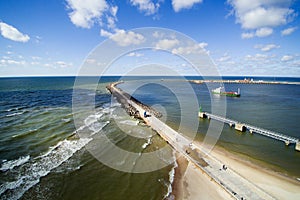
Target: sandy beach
(191, 182)
(278, 185)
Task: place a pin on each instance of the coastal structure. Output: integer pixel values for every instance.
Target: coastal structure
(245, 81)
(253, 129)
(233, 183)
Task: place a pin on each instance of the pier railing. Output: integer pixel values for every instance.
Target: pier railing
(253, 129)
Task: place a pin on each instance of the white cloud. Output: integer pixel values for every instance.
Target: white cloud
(111, 20)
(224, 58)
(288, 31)
(12, 33)
(258, 14)
(6, 62)
(166, 43)
(183, 4)
(267, 47)
(193, 49)
(261, 17)
(263, 32)
(286, 58)
(135, 54)
(105, 33)
(86, 12)
(62, 64)
(256, 57)
(146, 6)
(125, 38)
(247, 35)
(158, 34)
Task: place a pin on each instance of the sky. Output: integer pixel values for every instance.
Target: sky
(242, 37)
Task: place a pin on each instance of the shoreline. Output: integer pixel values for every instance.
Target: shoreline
(190, 182)
(275, 183)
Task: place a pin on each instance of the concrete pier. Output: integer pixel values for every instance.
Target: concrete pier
(253, 129)
(297, 146)
(202, 115)
(240, 127)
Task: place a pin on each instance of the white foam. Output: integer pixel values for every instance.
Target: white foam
(171, 178)
(130, 122)
(31, 172)
(97, 126)
(147, 143)
(14, 114)
(14, 163)
(66, 119)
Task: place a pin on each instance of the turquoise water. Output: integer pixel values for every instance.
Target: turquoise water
(42, 157)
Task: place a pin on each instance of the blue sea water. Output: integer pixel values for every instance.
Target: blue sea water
(41, 157)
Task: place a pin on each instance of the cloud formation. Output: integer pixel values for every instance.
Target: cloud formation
(12, 33)
(262, 15)
(264, 32)
(267, 47)
(192, 49)
(261, 32)
(184, 4)
(166, 43)
(288, 31)
(85, 13)
(286, 58)
(124, 38)
(146, 6)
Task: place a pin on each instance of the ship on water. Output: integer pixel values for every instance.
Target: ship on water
(221, 91)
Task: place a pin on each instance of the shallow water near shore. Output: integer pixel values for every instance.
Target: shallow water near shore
(41, 157)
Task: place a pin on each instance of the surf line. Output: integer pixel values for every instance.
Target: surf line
(192, 152)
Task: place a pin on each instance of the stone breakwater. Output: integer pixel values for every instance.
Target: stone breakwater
(122, 97)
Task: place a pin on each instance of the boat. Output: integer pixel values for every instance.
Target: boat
(221, 91)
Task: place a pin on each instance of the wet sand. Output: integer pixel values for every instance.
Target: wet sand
(191, 182)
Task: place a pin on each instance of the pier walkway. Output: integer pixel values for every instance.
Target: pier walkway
(253, 129)
(232, 182)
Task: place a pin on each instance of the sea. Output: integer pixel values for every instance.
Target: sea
(45, 154)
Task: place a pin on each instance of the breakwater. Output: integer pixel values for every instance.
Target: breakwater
(226, 178)
(245, 81)
(126, 101)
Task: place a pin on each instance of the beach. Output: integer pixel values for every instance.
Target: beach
(191, 182)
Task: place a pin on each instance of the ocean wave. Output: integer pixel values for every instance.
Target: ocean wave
(29, 173)
(25, 133)
(15, 114)
(14, 163)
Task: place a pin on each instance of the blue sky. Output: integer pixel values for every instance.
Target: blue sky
(243, 37)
